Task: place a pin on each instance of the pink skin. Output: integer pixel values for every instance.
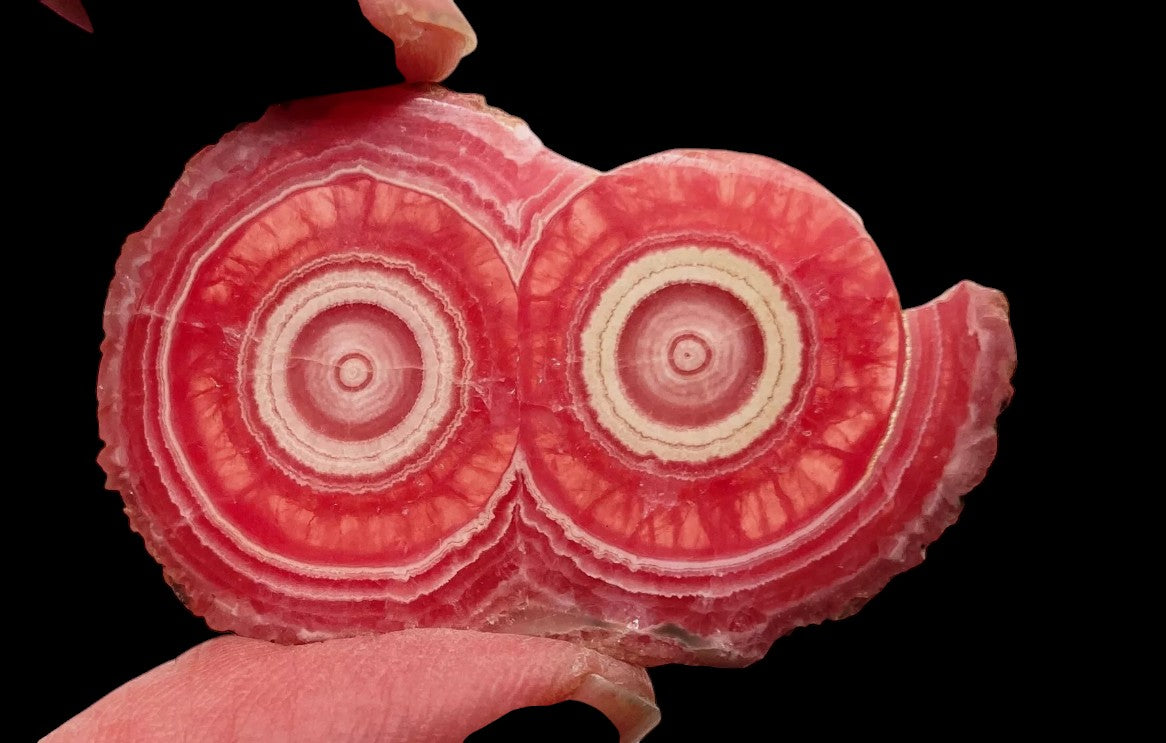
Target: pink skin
(415, 686)
(431, 36)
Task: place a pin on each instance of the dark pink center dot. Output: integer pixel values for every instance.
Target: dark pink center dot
(354, 372)
(690, 354)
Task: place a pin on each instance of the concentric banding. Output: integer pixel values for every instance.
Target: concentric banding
(320, 349)
(313, 271)
(713, 340)
(235, 411)
(688, 353)
(351, 366)
(727, 342)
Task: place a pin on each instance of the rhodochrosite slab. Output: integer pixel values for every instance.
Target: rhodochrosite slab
(730, 427)
(384, 361)
(308, 383)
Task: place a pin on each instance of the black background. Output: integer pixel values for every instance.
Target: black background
(930, 135)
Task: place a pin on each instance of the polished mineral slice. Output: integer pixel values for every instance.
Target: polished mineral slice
(384, 361)
(308, 383)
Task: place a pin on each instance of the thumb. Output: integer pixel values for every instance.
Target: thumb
(416, 685)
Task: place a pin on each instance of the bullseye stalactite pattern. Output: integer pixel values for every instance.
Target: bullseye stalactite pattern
(386, 361)
(308, 382)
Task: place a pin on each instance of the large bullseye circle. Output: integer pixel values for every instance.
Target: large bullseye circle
(308, 382)
(690, 354)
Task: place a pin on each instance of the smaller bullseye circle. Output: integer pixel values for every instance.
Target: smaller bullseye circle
(688, 353)
(354, 372)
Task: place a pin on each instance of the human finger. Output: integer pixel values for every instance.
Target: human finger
(424, 686)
